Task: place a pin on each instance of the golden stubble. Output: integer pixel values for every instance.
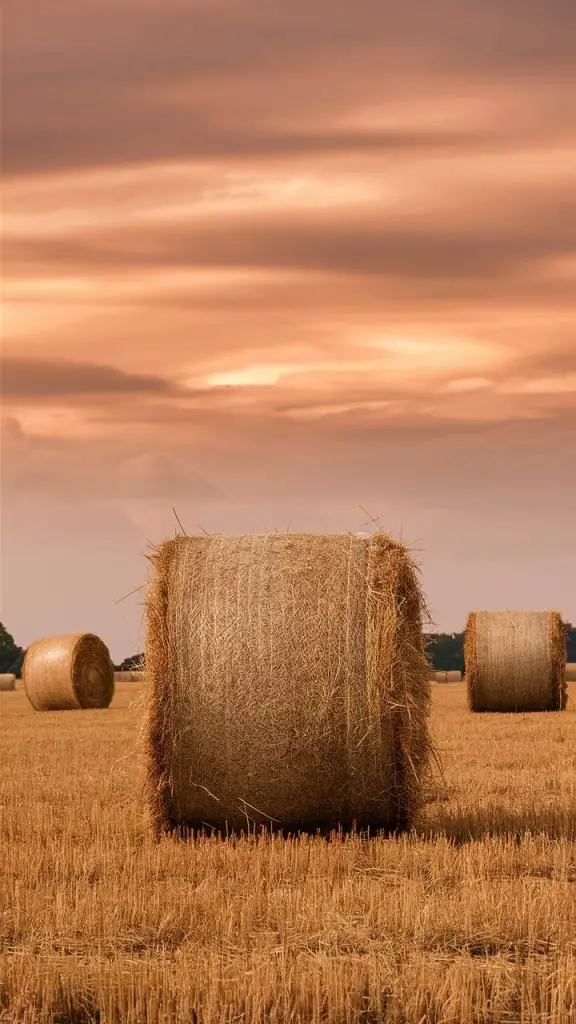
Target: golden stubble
(471, 918)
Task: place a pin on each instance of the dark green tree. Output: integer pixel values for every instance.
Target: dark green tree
(133, 664)
(446, 651)
(11, 656)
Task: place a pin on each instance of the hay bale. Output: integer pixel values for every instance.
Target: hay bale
(453, 676)
(68, 672)
(571, 672)
(122, 677)
(515, 661)
(439, 677)
(136, 677)
(7, 681)
(287, 683)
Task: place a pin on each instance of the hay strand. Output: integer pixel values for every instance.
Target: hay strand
(68, 672)
(7, 681)
(287, 683)
(515, 661)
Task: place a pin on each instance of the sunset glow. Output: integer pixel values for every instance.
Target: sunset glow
(277, 266)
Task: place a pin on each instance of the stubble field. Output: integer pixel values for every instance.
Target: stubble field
(471, 919)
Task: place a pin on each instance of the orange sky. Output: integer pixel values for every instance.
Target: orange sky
(270, 263)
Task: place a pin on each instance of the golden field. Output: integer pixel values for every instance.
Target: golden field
(471, 919)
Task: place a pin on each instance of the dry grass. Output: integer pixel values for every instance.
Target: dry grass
(68, 673)
(471, 920)
(515, 661)
(288, 684)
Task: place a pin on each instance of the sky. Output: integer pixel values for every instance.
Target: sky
(304, 266)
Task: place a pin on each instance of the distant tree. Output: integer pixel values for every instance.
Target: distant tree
(11, 656)
(133, 664)
(446, 651)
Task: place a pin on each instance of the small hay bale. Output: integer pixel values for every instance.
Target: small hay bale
(136, 677)
(454, 676)
(122, 677)
(515, 661)
(571, 672)
(287, 684)
(439, 677)
(7, 681)
(69, 672)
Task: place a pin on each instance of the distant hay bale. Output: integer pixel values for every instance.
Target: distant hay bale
(7, 681)
(571, 672)
(515, 661)
(287, 683)
(69, 672)
(439, 677)
(136, 677)
(454, 676)
(122, 677)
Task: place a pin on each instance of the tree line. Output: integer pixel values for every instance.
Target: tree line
(445, 650)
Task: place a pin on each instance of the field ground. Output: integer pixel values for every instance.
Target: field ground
(472, 919)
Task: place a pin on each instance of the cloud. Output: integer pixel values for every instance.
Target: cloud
(361, 245)
(40, 378)
(110, 84)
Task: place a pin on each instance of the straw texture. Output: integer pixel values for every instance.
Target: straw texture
(7, 681)
(287, 683)
(571, 672)
(69, 672)
(515, 661)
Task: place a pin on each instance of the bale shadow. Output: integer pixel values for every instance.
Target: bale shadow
(331, 831)
(461, 827)
(457, 828)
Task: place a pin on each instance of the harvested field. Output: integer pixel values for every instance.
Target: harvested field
(472, 919)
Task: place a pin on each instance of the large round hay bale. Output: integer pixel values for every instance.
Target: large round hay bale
(287, 683)
(68, 672)
(454, 676)
(7, 681)
(571, 672)
(515, 661)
